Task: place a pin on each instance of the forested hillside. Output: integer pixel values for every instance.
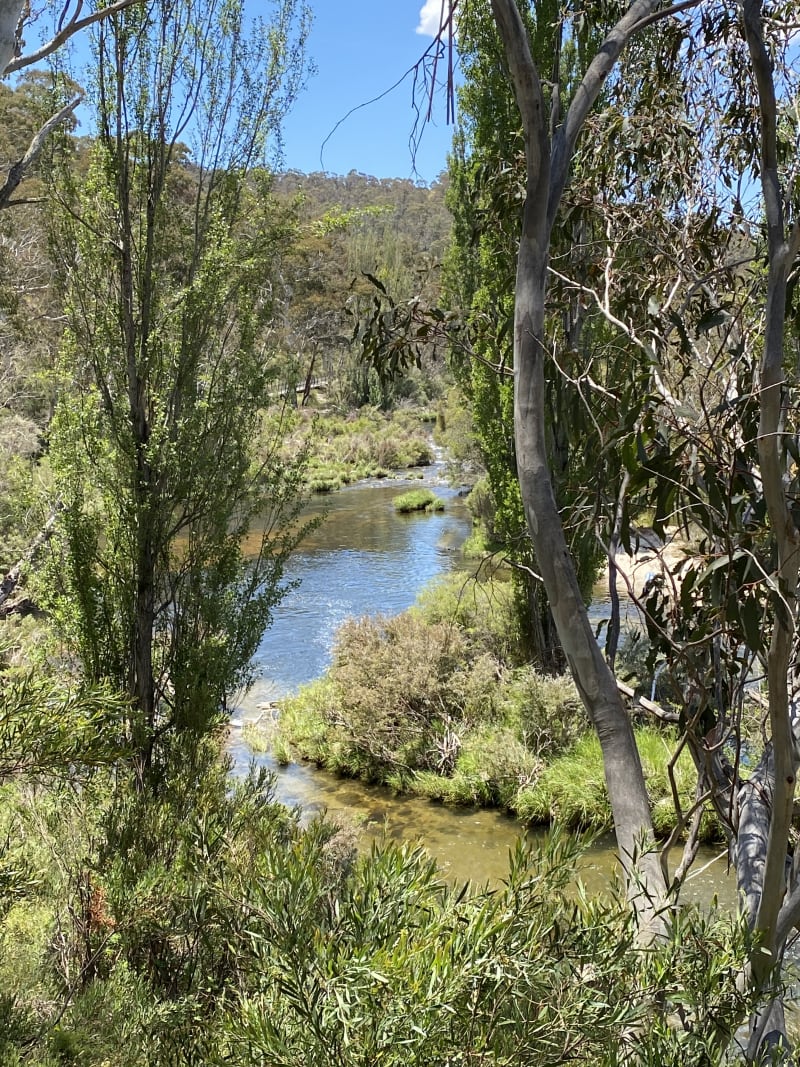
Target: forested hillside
(349, 228)
(337, 231)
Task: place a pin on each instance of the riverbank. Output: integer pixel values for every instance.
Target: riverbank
(430, 704)
(436, 704)
(343, 449)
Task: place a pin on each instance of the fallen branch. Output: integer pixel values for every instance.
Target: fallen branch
(648, 705)
(14, 576)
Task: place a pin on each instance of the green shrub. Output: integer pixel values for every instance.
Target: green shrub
(394, 700)
(481, 505)
(396, 968)
(399, 696)
(219, 931)
(496, 765)
(491, 767)
(482, 610)
(546, 711)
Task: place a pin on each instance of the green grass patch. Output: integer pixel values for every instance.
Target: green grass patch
(571, 788)
(343, 449)
(418, 500)
(302, 728)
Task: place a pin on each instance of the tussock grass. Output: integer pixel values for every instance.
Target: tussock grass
(343, 449)
(571, 789)
(418, 500)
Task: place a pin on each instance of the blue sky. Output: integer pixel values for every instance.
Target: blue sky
(361, 48)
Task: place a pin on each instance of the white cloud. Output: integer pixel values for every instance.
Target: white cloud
(430, 17)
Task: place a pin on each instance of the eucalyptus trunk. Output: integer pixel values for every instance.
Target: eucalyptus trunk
(766, 814)
(547, 167)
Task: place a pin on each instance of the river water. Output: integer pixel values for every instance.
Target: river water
(366, 559)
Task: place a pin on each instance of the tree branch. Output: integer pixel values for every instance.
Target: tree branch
(14, 576)
(665, 13)
(75, 25)
(20, 169)
(640, 14)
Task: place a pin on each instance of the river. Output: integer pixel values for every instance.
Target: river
(366, 559)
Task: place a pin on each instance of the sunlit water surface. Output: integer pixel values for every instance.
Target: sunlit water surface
(365, 559)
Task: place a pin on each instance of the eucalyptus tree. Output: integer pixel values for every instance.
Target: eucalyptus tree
(168, 245)
(745, 95)
(676, 278)
(484, 172)
(487, 172)
(16, 16)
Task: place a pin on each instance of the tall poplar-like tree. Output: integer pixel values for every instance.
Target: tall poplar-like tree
(168, 245)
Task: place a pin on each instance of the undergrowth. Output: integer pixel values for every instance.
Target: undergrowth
(343, 449)
(432, 703)
(207, 926)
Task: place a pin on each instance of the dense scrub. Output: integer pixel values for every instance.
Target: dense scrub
(206, 926)
(434, 702)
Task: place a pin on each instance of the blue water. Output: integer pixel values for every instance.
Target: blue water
(364, 559)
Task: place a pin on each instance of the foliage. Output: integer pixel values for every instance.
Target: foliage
(418, 500)
(196, 922)
(399, 987)
(31, 320)
(483, 610)
(166, 263)
(352, 228)
(242, 937)
(44, 731)
(455, 433)
(486, 189)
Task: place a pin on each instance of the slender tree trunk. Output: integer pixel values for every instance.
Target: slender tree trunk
(766, 813)
(10, 14)
(625, 780)
(595, 682)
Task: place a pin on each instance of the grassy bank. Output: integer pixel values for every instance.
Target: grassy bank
(434, 703)
(418, 500)
(343, 449)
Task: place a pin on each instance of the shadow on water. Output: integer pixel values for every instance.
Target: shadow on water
(365, 559)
